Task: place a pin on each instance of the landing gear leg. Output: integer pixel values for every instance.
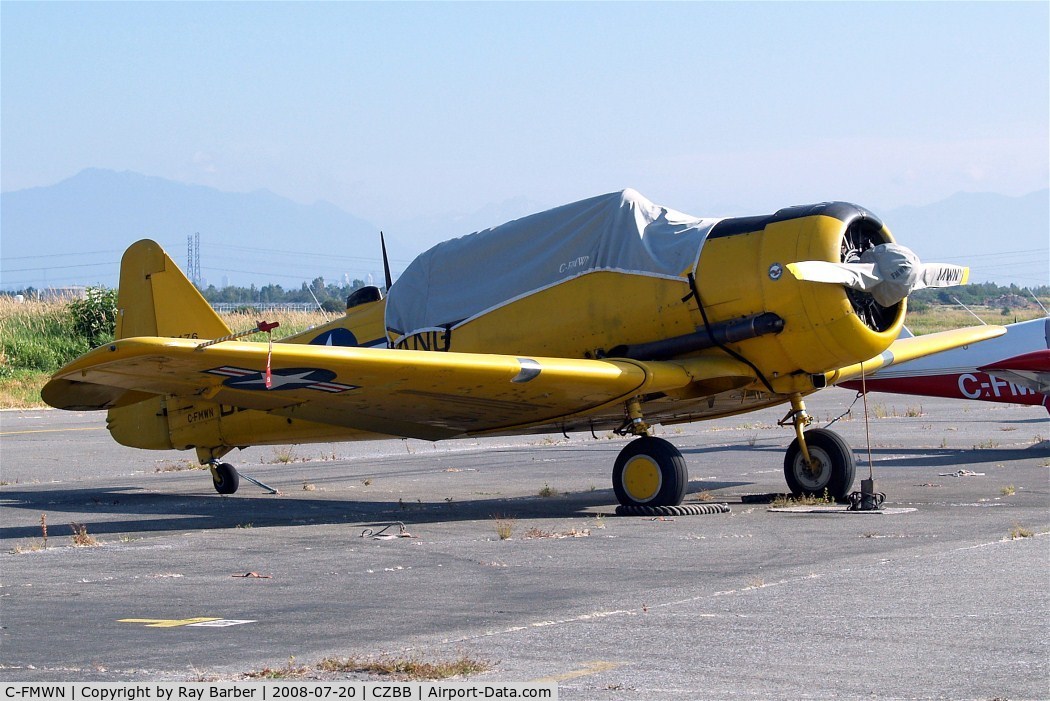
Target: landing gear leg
(649, 471)
(818, 461)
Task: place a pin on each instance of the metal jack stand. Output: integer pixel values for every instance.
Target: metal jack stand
(254, 481)
(867, 499)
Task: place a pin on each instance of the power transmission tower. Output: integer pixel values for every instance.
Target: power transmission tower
(193, 258)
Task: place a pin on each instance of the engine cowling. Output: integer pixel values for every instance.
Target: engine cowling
(743, 271)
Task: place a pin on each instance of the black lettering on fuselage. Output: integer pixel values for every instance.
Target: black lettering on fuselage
(200, 415)
(432, 340)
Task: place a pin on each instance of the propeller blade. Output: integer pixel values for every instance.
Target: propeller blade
(943, 275)
(890, 272)
(858, 276)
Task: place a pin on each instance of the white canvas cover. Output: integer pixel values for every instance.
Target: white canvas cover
(460, 279)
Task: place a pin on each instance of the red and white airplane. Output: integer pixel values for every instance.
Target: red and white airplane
(1013, 368)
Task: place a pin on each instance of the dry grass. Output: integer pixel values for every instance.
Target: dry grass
(178, 466)
(289, 671)
(504, 526)
(407, 669)
(402, 669)
(535, 533)
(291, 322)
(547, 491)
(784, 501)
(939, 318)
(21, 390)
(81, 538)
(1019, 531)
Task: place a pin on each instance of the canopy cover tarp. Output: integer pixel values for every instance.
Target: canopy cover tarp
(458, 280)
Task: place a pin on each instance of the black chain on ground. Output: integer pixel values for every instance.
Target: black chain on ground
(680, 510)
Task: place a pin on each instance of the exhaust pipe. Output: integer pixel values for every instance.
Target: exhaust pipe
(723, 333)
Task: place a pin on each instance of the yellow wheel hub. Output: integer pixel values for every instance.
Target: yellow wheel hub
(641, 478)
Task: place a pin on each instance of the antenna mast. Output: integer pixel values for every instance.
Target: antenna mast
(386, 263)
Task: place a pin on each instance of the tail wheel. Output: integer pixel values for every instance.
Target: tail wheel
(650, 472)
(833, 466)
(225, 478)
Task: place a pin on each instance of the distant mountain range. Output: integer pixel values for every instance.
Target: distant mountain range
(1005, 240)
(73, 232)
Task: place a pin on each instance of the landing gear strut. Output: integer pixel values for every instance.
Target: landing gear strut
(649, 471)
(818, 461)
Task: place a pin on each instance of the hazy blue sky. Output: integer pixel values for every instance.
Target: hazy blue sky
(398, 110)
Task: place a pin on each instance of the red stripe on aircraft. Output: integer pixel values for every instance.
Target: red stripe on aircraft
(967, 385)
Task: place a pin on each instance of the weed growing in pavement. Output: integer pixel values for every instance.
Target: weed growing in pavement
(284, 454)
(289, 671)
(504, 526)
(786, 500)
(81, 538)
(1019, 531)
(408, 669)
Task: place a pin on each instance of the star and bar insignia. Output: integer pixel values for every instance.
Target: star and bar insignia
(283, 379)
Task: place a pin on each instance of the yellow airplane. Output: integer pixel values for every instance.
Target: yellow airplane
(608, 314)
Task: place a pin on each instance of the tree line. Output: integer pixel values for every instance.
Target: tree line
(330, 296)
(981, 294)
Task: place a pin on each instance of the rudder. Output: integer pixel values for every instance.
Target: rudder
(156, 299)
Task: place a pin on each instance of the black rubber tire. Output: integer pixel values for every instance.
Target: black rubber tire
(225, 478)
(838, 467)
(673, 476)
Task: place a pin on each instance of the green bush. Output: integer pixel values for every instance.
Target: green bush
(95, 316)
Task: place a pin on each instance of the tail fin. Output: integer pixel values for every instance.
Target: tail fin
(156, 299)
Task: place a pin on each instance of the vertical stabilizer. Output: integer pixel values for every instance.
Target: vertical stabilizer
(156, 299)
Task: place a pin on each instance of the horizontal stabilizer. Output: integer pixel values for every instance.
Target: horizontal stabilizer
(890, 272)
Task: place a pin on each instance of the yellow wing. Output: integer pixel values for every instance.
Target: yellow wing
(917, 347)
(417, 394)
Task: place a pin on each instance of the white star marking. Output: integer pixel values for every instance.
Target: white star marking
(276, 380)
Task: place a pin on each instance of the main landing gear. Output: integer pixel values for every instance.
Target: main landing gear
(651, 472)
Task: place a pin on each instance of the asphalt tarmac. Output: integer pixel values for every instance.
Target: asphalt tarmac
(933, 598)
